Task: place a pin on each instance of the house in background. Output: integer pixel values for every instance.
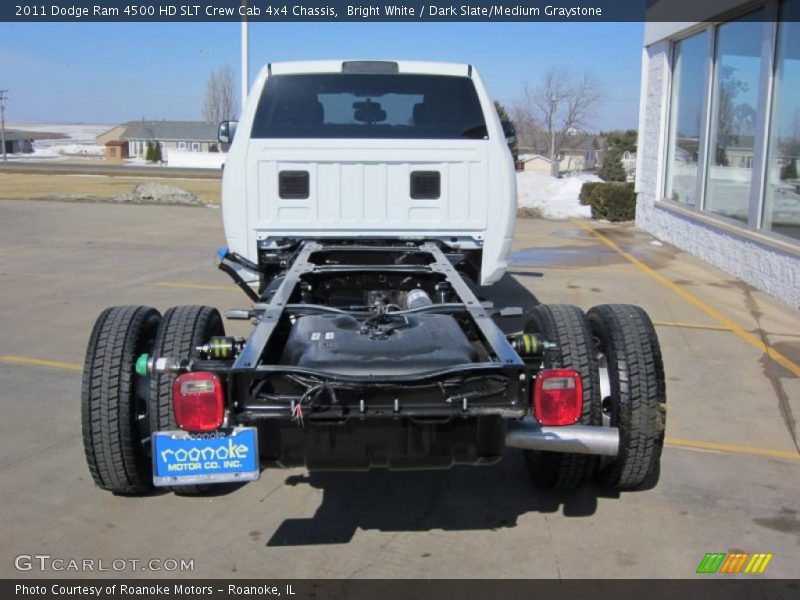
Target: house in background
(629, 163)
(191, 136)
(112, 135)
(116, 150)
(579, 152)
(188, 136)
(720, 182)
(18, 143)
(535, 162)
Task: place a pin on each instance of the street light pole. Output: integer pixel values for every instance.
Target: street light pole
(245, 56)
(3, 98)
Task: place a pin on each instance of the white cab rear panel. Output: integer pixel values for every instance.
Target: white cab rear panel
(361, 187)
(364, 186)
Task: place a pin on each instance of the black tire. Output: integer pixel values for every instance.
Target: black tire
(566, 326)
(637, 397)
(114, 401)
(182, 329)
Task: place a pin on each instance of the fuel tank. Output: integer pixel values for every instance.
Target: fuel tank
(390, 344)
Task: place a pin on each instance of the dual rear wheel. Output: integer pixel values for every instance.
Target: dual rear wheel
(120, 408)
(615, 350)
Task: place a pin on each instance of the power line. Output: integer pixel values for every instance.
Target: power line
(3, 99)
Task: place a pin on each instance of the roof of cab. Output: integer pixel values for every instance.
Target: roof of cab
(404, 66)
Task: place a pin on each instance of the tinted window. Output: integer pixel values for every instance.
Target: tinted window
(341, 105)
(688, 77)
(782, 199)
(733, 120)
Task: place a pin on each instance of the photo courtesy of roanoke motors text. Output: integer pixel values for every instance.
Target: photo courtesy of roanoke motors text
(323, 300)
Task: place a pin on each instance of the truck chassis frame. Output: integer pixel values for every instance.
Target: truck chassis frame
(415, 413)
(456, 392)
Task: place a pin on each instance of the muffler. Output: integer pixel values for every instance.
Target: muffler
(579, 439)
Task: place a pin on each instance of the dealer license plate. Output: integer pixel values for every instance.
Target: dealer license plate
(225, 455)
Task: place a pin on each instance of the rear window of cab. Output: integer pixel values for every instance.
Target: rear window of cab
(382, 106)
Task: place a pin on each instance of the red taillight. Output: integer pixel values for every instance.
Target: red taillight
(198, 401)
(558, 397)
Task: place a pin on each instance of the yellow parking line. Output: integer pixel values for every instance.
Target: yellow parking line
(690, 325)
(40, 362)
(730, 448)
(713, 313)
(195, 286)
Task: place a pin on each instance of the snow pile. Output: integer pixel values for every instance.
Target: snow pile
(56, 150)
(158, 193)
(79, 132)
(195, 160)
(555, 198)
(79, 140)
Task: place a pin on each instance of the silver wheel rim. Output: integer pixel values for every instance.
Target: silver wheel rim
(605, 388)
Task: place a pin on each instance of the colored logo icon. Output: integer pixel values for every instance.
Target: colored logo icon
(733, 563)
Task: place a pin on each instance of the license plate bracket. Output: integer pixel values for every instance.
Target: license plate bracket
(226, 455)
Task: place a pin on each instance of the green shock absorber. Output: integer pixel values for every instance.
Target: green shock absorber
(527, 345)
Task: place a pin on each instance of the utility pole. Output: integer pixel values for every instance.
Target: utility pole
(245, 57)
(3, 98)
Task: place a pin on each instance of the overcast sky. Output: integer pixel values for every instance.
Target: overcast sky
(115, 72)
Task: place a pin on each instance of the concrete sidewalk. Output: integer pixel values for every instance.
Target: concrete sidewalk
(746, 343)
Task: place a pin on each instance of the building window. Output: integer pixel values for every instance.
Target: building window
(195, 147)
(688, 77)
(733, 145)
(181, 145)
(782, 190)
(735, 109)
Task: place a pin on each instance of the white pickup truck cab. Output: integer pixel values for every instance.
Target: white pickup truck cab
(365, 149)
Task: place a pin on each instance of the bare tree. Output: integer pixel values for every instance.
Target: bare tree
(221, 101)
(561, 103)
(529, 129)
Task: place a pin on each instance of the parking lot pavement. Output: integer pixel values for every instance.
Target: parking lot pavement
(730, 470)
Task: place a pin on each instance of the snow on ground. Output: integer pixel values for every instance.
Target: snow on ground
(555, 198)
(80, 132)
(79, 140)
(195, 160)
(65, 150)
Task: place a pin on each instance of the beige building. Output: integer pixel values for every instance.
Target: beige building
(537, 163)
(579, 152)
(116, 150)
(113, 134)
(189, 136)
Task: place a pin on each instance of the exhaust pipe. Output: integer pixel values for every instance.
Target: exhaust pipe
(578, 439)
